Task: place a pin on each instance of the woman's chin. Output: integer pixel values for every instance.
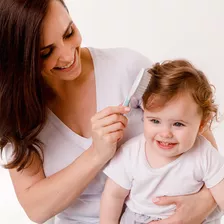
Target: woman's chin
(71, 73)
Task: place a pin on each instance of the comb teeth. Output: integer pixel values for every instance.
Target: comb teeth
(139, 86)
(142, 85)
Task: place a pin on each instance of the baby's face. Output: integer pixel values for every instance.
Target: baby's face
(172, 129)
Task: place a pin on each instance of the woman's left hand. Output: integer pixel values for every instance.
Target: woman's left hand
(190, 209)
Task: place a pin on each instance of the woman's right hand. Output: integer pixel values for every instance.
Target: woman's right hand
(107, 129)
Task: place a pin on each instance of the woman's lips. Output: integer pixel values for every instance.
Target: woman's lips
(70, 67)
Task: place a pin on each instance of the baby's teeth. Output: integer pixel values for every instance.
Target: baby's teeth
(165, 143)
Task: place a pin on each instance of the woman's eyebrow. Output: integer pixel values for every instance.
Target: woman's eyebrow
(48, 46)
(52, 45)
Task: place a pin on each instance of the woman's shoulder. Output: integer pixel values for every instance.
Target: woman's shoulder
(113, 51)
(120, 54)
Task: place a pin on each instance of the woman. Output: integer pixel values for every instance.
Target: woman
(58, 117)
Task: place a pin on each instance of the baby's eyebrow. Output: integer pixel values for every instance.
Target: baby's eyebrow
(151, 117)
(179, 120)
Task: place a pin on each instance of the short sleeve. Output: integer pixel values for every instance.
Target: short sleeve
(213, 166)
(119, 168)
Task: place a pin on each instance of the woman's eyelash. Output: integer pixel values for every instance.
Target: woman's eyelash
(70, 34)
(44, 56)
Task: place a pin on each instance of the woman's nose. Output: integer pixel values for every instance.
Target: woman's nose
(66, 54)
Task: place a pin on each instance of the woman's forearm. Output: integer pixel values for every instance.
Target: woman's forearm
(209, 136)
(206, 195)
(53, 194)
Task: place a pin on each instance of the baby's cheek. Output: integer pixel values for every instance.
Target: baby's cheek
(189, 138)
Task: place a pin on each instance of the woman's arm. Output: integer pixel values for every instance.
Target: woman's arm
(218, 194)
(209, 136)
(112, 202)
(43, 197)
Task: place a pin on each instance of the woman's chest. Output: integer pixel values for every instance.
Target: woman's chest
(77, 110)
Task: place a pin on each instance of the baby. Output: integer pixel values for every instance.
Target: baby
(171, 157)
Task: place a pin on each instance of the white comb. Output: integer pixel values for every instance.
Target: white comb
(139, 86)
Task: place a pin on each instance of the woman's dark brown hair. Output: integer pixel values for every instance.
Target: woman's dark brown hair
(22, 88)
(171, 78)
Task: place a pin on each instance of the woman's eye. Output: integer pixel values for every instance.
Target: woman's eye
(178, 124)
(154, 121)
(46, 53)
(71, 32)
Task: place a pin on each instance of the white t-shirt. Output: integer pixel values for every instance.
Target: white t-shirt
(185, 175)
(115, 71)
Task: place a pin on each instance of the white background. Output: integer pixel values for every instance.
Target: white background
(160, 29)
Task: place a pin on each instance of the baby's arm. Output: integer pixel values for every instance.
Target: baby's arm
(112, 202)
(217, 193)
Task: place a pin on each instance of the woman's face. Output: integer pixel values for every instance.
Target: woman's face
(60, 45)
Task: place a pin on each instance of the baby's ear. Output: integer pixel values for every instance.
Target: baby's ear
(204, 125)
(202, 128)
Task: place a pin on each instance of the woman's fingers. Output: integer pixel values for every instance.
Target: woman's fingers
(109, 120)
(109, 111)
(186, 212)
(114, 136)
(165, 200)
(110, 129)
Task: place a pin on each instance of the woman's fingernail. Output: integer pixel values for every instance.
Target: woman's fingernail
(127, 108)
(155, 199)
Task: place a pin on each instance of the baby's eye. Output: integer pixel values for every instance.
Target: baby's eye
(154, 121)
(178, 124)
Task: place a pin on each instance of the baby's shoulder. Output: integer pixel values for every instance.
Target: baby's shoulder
(133, 146)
